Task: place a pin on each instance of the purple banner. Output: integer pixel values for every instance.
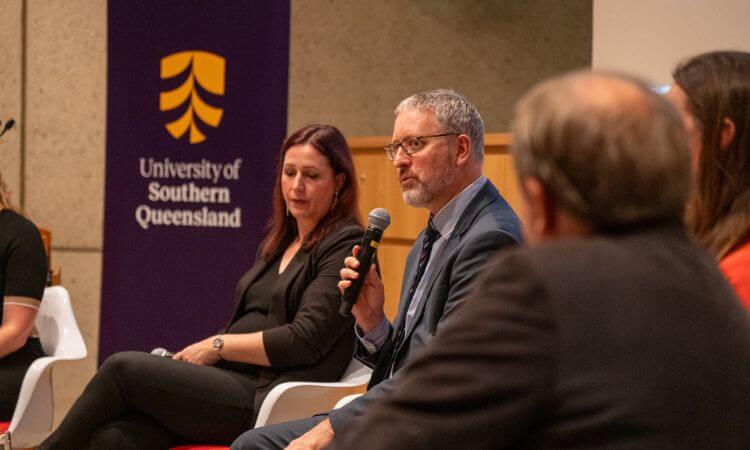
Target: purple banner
(197, 95)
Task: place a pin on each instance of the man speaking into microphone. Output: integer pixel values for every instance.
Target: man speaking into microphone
(437, 150)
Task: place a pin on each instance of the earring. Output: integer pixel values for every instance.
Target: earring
(335, 199)
(287, 211)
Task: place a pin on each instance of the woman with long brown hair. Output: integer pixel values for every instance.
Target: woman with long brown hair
(286, 325)
(23, 275)
(712, 92)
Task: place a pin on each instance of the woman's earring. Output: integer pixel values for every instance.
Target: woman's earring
(335, 199)
(287, 211)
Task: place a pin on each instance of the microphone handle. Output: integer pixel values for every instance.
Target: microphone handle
(163, 352)
(367, 251)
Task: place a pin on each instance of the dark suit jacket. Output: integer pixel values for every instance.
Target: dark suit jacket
(305, 336)
(487, 224)
(632, 340)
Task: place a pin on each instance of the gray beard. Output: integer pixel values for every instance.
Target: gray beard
(418, 196)
(424, 193)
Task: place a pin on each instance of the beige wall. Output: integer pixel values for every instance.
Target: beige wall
(350, 63)
(649, 37)
(10, 91)
(63, 147)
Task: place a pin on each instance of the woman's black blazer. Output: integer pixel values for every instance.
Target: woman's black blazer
(305, 336)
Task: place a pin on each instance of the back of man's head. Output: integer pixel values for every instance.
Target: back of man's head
(609, 152)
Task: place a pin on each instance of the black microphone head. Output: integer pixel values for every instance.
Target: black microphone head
(379, 219)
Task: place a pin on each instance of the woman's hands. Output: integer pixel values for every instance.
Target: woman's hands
(244, 347)
(201, 353)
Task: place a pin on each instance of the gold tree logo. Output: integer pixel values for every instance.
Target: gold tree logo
(207, 70)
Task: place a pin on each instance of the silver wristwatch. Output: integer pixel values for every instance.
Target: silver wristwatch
(218, 345)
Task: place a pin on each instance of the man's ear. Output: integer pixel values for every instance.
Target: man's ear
(464, 149)
(728, 131)
(541, 214)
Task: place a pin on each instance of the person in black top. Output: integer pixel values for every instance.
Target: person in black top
(23, 274)
(285, 327)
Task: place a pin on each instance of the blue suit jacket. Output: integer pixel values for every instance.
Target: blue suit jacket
(487, 224)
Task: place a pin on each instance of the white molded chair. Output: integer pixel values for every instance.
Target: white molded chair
(344, 401)
(61, 340)
(298, 399)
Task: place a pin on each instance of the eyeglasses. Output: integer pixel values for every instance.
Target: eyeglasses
(411, 144)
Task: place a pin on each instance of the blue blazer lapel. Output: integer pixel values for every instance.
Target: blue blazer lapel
(486, 195)
(431, 276)
(410, 271)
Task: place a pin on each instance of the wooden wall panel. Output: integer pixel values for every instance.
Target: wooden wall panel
(498, 167)
(392, 257)
(379, 188)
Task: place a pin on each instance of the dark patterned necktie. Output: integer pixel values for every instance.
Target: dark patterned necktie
(430, 235)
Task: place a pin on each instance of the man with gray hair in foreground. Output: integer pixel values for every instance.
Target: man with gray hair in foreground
(611, 330)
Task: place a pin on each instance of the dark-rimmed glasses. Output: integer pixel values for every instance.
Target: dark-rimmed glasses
(411, 144)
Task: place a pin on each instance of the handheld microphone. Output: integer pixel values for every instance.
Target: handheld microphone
(163, 352)
(378, 221)
(8, 125)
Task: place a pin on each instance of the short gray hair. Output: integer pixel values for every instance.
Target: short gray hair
(453, 111)
(608, 149)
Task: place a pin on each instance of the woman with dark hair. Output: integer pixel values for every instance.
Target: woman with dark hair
(286, 325)
(23, 274)
(712, 93)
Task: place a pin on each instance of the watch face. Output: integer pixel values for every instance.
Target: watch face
(218, 343)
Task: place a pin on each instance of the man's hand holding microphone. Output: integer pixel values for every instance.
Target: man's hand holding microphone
(368, 310)
(360, 286)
